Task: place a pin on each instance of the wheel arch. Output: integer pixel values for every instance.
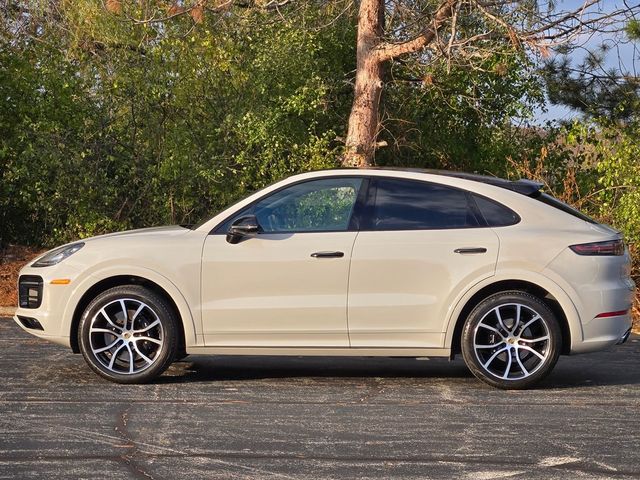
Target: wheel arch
(555, 299)
(117, 280)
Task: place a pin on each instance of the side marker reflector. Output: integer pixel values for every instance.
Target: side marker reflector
(612, 314)
(60, 281)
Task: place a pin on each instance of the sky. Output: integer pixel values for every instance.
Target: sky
(621, 57)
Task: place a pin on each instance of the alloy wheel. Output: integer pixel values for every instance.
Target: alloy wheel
(512, 341)
(126, 336)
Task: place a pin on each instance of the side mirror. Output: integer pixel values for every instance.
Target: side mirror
(243, 227)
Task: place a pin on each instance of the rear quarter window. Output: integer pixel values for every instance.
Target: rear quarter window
(494, 213)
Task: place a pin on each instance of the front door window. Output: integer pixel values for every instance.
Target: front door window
(316, 206)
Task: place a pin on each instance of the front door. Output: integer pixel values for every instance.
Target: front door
(287, 285)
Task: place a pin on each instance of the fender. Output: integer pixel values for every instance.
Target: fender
(188, 320)
(563, 294)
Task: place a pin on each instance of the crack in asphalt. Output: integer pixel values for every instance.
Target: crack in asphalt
(128, 458)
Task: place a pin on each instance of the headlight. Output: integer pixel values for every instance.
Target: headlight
(57, 255)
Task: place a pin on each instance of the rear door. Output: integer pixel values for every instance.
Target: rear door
(419, 243)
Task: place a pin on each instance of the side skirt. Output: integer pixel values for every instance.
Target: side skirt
(321, 352)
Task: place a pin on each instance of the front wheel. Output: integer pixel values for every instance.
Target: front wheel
(511, 340)
(128, 334)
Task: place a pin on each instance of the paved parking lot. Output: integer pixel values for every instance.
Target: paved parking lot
(314, 418)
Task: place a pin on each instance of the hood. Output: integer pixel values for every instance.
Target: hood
(172, 230)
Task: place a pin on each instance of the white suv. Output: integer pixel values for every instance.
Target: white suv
(345, 262)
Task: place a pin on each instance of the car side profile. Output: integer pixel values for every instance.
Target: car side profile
(366, 262)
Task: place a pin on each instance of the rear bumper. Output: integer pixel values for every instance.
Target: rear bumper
(598, 286)
(602, 333)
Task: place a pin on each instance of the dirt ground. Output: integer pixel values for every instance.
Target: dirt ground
(14, 257)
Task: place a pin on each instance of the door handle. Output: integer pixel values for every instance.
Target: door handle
(327, 254)
(467, 251)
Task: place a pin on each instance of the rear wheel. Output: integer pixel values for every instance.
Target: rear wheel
(511, 340)
(128, 334)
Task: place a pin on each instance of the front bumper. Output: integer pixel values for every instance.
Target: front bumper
(46, 320)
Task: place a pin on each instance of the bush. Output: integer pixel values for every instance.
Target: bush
(101, 134)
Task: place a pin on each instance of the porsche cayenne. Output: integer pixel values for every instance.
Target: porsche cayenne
(374, 262)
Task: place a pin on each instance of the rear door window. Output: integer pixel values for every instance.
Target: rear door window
(398, 204)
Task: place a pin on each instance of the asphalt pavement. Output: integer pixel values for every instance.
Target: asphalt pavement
(314, 418)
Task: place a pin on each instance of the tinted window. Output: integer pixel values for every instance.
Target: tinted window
(318, 205)
(413, 205)
(495, 214)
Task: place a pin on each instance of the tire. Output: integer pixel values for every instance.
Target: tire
(136, 352)
(500, 352)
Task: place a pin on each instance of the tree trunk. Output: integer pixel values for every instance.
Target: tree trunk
(363, 119)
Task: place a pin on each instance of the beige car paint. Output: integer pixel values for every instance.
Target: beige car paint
(401, 281)
(270, 291)
(295, 304)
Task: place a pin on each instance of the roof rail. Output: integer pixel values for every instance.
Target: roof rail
(523, 186)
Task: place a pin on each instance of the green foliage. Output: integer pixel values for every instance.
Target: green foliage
(459, 118)
(595, 167)
(633, 30)
(108, 125)
(619, 171)
(113, 127)
(591, 86)
(592, 165)
(43, 127)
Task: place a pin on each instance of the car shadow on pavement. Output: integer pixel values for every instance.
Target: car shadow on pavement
(612, 367)
(219, 368)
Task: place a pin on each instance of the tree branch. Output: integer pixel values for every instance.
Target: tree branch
(388, 51)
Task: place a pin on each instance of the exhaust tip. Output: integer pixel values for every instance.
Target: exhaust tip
(624, 337)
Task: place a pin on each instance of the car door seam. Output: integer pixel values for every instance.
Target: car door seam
(353, 246)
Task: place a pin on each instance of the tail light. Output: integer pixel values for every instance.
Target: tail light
(610, 247)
